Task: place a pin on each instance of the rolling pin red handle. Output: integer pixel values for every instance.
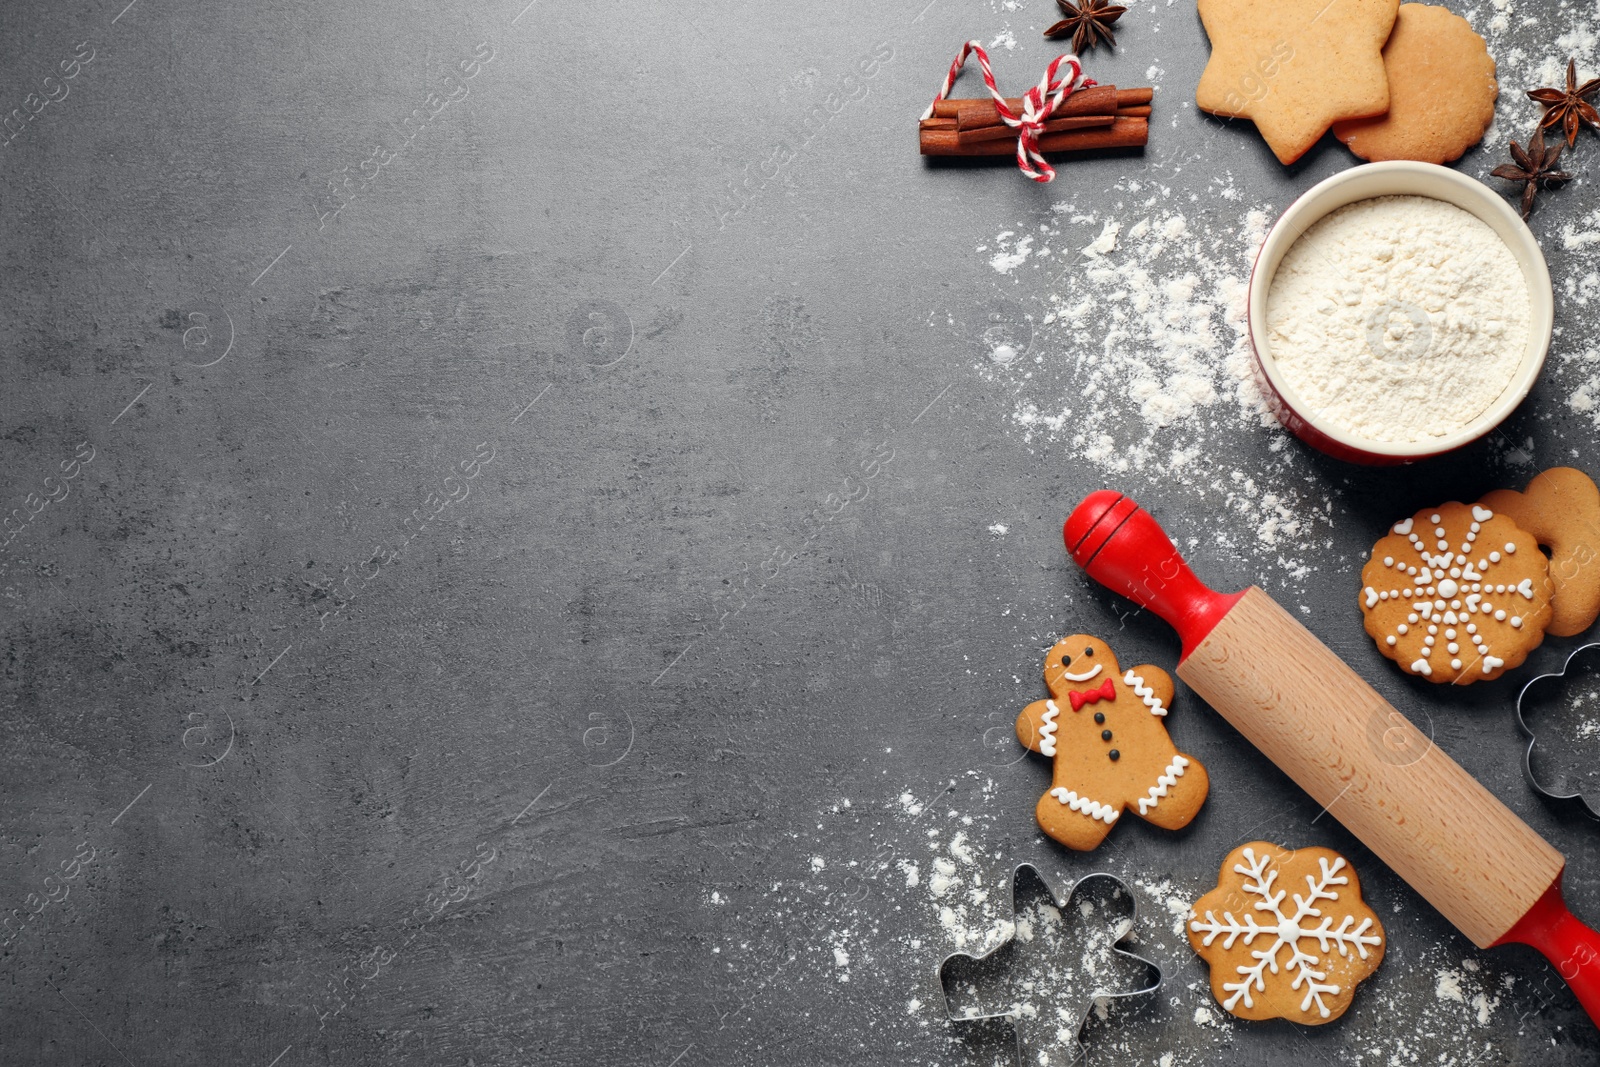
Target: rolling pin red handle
(1570, 946)
(1120, 546)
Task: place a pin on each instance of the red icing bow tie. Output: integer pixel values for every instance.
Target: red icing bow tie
(1090, 696)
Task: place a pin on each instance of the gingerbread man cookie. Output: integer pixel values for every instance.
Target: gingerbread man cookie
(1104, 728)
(1561, 510)
(1457, 594)
(1295, 67)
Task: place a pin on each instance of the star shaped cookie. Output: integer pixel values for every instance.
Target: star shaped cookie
(1295, 67)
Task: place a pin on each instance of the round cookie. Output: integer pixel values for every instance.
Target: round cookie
(1561, 509)
(1286, 934)
(1442, 90)
(1456, 594)
(1105, 729)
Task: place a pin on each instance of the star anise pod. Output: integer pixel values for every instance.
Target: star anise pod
(1534, 168)
(1088, 24)
(1570, 108)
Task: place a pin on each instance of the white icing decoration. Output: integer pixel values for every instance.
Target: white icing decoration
(1166, 781)
(1401, 528)
(1481, 514)
(1092, 808)
(1081, 677)
(1450, 589)
(1434, 518)
(1287, 930)
(1145, 693)
(1047, 729)
(1490, 663)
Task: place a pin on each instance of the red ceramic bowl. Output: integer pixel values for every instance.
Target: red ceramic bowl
(1392, 179)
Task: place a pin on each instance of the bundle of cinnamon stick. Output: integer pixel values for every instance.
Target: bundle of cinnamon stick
(1099, 117)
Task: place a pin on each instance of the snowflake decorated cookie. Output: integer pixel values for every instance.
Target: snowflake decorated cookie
(1105, 729)
(1286, 934)
(1456, 594)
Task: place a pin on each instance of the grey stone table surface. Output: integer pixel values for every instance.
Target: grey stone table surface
(528, 526)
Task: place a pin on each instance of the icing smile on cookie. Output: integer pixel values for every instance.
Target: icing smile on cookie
(1084, 677)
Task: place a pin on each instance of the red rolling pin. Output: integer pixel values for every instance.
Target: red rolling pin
(1468, 854)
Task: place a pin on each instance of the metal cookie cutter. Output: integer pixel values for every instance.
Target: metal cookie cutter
(1020, 876)
(1582, 666)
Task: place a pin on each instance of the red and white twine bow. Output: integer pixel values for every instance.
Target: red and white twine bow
(1037, 104)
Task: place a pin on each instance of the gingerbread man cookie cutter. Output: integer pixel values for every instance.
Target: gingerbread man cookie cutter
(1585, 659)
(1120, 891)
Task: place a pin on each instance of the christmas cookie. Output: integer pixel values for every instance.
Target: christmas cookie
(1561, 510)
(1456, 594)
(1104, 727)
(1295, 67)
(1286, 934)
(1442, 91)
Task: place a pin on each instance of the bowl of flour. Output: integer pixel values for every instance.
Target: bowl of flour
(1398, 310)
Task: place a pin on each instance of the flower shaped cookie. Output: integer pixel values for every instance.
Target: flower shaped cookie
(1286, 933)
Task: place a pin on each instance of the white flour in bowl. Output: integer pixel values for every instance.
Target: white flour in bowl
(1398, 319)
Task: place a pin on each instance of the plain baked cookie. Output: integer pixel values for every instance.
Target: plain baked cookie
(1295, 67)
(1286, 933)
(1105, 728)
(1442, 91)
(1456, 594)
(1561, 509)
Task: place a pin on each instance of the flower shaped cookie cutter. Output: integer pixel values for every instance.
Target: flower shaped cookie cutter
(1582, 667)
(1074, 907)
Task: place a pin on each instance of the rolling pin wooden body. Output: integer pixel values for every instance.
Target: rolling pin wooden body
(1452, 840)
